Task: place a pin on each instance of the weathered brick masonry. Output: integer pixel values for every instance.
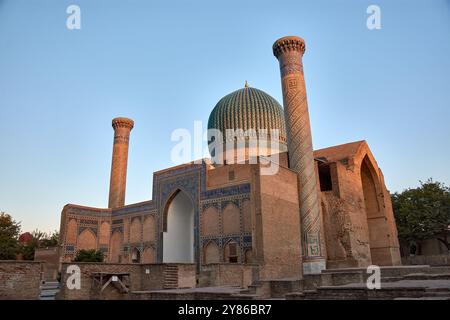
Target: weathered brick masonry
(20, 280)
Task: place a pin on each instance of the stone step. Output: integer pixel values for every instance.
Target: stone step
(426, 276)
(437, 294)
(170, 277)
(438, 289)
(391, 279)
(245, 296)
(424, 298)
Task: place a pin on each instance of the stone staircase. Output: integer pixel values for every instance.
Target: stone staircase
(49, 290)
(269, 289)
(170, 276)
(429, 284)
(257, 290)
(397, 283)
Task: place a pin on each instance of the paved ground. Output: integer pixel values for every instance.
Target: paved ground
(405, 284)
(223, 289)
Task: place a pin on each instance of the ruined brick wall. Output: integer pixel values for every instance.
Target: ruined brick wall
(152, 277)
(143, 277)
(358, 213)
(86, 291)
(50, 262)
(229, 274)
(20, 280)
(187, 276)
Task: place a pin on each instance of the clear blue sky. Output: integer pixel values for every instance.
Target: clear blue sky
(165, 64)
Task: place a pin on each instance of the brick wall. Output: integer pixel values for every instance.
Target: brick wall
(187, 276)
(50, 258)
(20, 280)
(229, 274)
(142, 277)
(152, 277)
(277, 224)
(432, 260)
(86, 290)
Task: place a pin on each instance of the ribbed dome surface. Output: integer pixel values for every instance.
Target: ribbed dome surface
(248, 108)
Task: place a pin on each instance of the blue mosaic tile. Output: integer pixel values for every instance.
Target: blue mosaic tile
(225, 192)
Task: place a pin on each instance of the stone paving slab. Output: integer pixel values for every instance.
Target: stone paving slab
(222, 289)
(400, 284)
(356, 269)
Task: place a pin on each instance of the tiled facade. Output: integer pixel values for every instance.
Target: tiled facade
(139, 226)
(329, 206)
(228, 214)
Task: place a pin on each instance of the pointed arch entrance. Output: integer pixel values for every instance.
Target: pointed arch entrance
(178, 229)
(375, 215)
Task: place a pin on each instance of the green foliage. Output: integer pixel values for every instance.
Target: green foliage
(423, 213)
(91, 255)
(28, 249)
(40, 240)
(50, 240)
(44, 240)
(9, 240)
(9, 234)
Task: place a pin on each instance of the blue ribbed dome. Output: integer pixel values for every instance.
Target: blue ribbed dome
(248, 108)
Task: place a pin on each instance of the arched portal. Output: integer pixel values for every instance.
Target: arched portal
(178, 229)
(87, 240)
(376, 220)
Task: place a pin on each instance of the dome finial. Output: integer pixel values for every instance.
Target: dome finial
(246, 84)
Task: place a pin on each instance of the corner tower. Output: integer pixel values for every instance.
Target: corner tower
(122, 128)
(289, 52)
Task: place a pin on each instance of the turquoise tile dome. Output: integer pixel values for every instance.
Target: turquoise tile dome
(248, 108)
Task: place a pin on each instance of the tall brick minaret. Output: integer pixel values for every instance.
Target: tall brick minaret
(289, 52)
(122, 128)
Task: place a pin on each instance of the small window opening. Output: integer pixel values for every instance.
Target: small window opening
(233, 257)
(325, 177)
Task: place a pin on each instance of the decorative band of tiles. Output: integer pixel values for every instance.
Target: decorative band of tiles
(138, 209)
(227, 191)
(93, 230)
(90, 222)
(118, 229)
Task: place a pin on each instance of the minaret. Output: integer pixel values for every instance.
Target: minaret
(289, 52)
(122, 128)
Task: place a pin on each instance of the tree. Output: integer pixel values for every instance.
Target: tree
(423, 213)
(40, 240)
(50, 240)
(9, 233)
(91, 255)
